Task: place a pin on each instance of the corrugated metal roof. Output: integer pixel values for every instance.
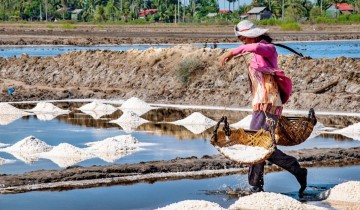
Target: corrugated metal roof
(344, 6)
(256, 10)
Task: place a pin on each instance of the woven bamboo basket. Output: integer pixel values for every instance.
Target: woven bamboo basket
(226, 138)
(289, 131)
(292, 131)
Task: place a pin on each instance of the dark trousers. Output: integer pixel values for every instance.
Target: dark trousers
(287, 162)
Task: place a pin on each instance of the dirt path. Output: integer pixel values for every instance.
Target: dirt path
(179, 168)
(85, 35)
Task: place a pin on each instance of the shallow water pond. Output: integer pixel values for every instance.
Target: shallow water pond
(159, 194)
(329, 49)
(163, 141)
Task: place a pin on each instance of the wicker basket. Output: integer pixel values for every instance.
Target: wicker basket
(289, 131)
(292, 131)
(227, 138)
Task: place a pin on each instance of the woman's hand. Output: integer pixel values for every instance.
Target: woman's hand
(228, 56)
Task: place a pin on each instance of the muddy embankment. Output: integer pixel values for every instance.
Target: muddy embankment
(182, 74)
(192, 167)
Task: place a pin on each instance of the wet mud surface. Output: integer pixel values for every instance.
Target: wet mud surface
(179, 168)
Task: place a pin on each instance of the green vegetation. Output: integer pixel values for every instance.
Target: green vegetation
(186, 68)
(169, 11)
(290, 26)
(68, 26)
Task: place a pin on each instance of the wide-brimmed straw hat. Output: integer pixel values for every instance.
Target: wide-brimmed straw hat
(247, 29)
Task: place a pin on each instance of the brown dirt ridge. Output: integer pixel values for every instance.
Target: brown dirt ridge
(153, 76)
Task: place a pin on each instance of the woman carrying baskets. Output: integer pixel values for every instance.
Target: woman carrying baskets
(266, 100)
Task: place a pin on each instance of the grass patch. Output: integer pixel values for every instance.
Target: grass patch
(290, 26)
(50, 26)
(68, 26)
(186, 68)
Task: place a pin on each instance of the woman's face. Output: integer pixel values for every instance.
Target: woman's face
(247, 40)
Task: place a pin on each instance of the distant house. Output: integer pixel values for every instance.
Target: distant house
(335, 10)
(145, 13)
(244, 16)
(259, 13)
(224, 11)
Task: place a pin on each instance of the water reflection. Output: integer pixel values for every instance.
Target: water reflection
(77, 128)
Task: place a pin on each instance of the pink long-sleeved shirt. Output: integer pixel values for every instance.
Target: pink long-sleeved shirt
(262, 50)
(265, 92)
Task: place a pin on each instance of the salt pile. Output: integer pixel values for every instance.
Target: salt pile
(47, 116)
(193, 204)
(6, 108)
(4, 145)
(29, 144)
(268, 201)
(345, 192)
(6, 119)
(27, 149)
(196, 123)
(9, 113)
(98, 106)
(136, 105)
(45, 107)
(195, 118)
(97, 114)
(243, 153)
(352, 131)
(96, 109)
(6, 161)
(244, 123)
(197, 129)
(129, 121)
(65, 155)
(112, 149)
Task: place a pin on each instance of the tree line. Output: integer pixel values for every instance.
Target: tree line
(167, 10)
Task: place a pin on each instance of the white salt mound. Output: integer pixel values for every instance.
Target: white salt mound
(195, 118)
(65, 155)
(197, 129)
(98, 106)
(193, 205)
(111, 149)
(129, 121)
(45, 107)
(244, 123)
(47, 116)
(6, 108)
(345, 192)
(268, 201)
(29, 144)
(243, 153)
(97, 114)
(135, 105)
(6, 119)
(6, 161)
(4, 145)
(352, 131)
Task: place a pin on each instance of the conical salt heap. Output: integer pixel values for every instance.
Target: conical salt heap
(136, 105)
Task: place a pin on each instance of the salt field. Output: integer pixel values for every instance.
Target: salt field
(77, 138)
(312, 49)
